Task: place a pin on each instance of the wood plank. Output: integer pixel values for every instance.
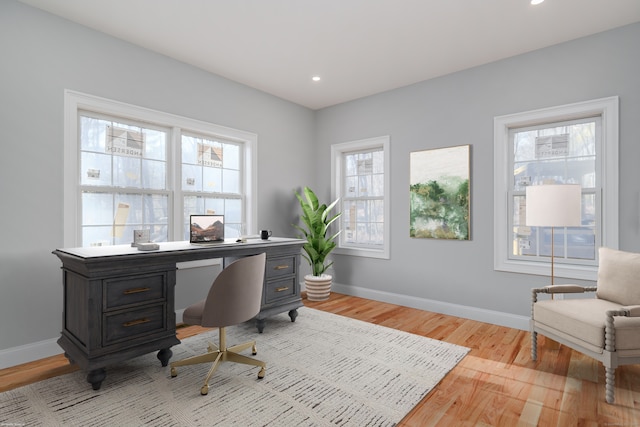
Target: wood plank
(497, 384)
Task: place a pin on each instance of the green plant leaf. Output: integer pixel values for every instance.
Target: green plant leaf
(316, 220)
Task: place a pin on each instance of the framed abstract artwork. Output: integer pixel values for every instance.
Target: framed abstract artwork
(439, 189)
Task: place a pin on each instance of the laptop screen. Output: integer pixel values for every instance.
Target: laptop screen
(206, 228)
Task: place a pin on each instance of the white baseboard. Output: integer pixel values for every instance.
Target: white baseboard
(29, 352)
(47, 348)
(179, 314)
(466, 312)
(39, 350)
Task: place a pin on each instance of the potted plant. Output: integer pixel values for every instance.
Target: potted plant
(316, 220)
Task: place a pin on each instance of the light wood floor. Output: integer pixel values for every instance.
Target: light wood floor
(496, 384)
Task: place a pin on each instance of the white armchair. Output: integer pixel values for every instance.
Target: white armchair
(607, 327)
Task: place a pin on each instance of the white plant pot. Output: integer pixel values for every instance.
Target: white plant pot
(318, 287)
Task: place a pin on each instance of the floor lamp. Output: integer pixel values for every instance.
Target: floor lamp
(556, 205)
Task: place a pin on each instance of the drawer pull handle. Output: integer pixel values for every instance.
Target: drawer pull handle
(281, 267)
(281, 289)
(136, 322)
(136, 291)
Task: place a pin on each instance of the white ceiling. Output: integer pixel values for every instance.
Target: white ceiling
(358, 47)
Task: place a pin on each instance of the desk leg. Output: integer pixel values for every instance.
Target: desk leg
(164, 355)
(260, 323)
(293, 314)
(96, 377)
(71, 361)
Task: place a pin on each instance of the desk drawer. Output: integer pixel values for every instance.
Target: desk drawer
(123, 291)
(131, 323)
(279, 267)
(278, 289)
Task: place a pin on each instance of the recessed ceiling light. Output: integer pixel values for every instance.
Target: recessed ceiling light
(534, 2)
(315, 78)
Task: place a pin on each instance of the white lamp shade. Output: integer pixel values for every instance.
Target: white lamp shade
(554, 205)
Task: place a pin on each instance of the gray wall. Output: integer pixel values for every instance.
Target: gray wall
(459, 109)
(41, 55)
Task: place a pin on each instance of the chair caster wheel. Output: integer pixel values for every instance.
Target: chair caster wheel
(261, 373)
(174, 373)
(254, 350)
(204, 390)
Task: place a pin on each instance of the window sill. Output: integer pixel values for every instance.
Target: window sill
(362, 252)
(580, 272)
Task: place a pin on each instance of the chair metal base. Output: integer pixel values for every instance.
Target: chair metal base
(216, 355)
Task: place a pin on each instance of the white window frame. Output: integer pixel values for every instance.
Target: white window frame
(607, 164)
(74, 102)
(337, 186)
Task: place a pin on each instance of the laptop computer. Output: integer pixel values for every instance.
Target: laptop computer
(206, 229)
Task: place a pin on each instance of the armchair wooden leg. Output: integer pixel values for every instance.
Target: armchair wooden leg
(534, 346)
(610, 381)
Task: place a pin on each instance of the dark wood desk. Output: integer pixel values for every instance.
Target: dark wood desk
(119, 301)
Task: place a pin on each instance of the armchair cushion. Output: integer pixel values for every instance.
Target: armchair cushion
(619, 276)
(583, 321)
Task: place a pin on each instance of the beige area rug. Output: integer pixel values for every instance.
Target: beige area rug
(322, 370)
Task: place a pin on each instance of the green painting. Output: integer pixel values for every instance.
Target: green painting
(439, 193)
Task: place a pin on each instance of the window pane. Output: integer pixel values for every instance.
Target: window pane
(378, 162)
(581, 243)
(95, 169)
(377, 211)
(233, 211)
(153, 176)
(126, 172)
(97, 236)
(189, 150)
(231, 156)
(362, 233)
(213, 205)
(363, 189)
(557, 153)
(155, 144)
(156, 216)
(233, 218)
(97, 209)
(362, 211)
(211, 180)
(92, 134)
(117, 154)
(364, 184)
(230, 181)
(350, 184)
(577, 242)
(582, 171)
(120, 214)
(216, 164)
(191, 178)
(589, 210)
(133, 204)
(350, 161)
(348, 221)
(377, 185)
(377, 233)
